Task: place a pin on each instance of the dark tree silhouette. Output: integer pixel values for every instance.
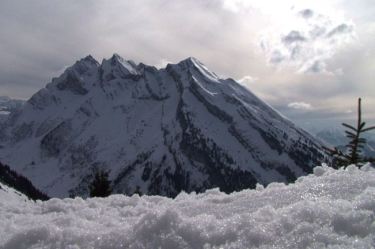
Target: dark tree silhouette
(138, 191)
(355, 146)
(100, 186)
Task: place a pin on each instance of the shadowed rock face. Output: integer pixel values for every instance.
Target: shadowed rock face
(155, 131)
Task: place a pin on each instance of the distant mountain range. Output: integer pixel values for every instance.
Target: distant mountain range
(8, 104)
(157, 131)
(336, 137)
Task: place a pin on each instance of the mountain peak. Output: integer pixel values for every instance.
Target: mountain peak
(116, 58)
(90, 59)
(118, 67)
(155, 131)
(83, 65)
(192, 63)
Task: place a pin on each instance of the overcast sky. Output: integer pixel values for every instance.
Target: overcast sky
(309, 59)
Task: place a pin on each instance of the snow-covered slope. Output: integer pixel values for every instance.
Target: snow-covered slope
(156, 131)
(333, 136)
(19, 183)
(10, 197)
(328, 209)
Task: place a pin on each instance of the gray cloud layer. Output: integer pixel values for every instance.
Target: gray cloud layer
(39, 38)
(314, 40)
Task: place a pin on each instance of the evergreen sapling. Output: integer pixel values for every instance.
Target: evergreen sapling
(355, 145)
(100, 186)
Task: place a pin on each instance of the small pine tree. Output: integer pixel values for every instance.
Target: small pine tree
(100, 186)
(138, 191)
(355, 146)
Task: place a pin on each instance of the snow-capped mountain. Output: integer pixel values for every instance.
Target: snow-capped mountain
(333, 136)
(156, 131)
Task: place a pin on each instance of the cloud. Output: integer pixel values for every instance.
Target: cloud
(34, 47)
(311, 40)
(300, 106)
(293, 37)
(300, 45)
(317, 66)
(306, 13)
(247, 79)
(163, 63)
(277, 57)
(340, 30)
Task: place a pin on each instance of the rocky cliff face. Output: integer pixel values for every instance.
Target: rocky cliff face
(155, 131)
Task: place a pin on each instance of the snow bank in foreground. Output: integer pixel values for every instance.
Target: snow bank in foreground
(328, 209)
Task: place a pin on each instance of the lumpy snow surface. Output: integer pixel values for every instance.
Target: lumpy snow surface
(327, 209)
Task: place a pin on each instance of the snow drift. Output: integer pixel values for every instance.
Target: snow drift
(327, 209)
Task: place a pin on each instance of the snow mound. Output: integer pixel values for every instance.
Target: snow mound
(327, 209)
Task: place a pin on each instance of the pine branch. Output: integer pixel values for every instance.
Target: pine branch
(349, 126)
(362, 140)
(361, 126)
(350, 134)
(369, 129)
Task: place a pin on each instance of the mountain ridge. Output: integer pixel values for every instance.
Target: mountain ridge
(158, 131)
